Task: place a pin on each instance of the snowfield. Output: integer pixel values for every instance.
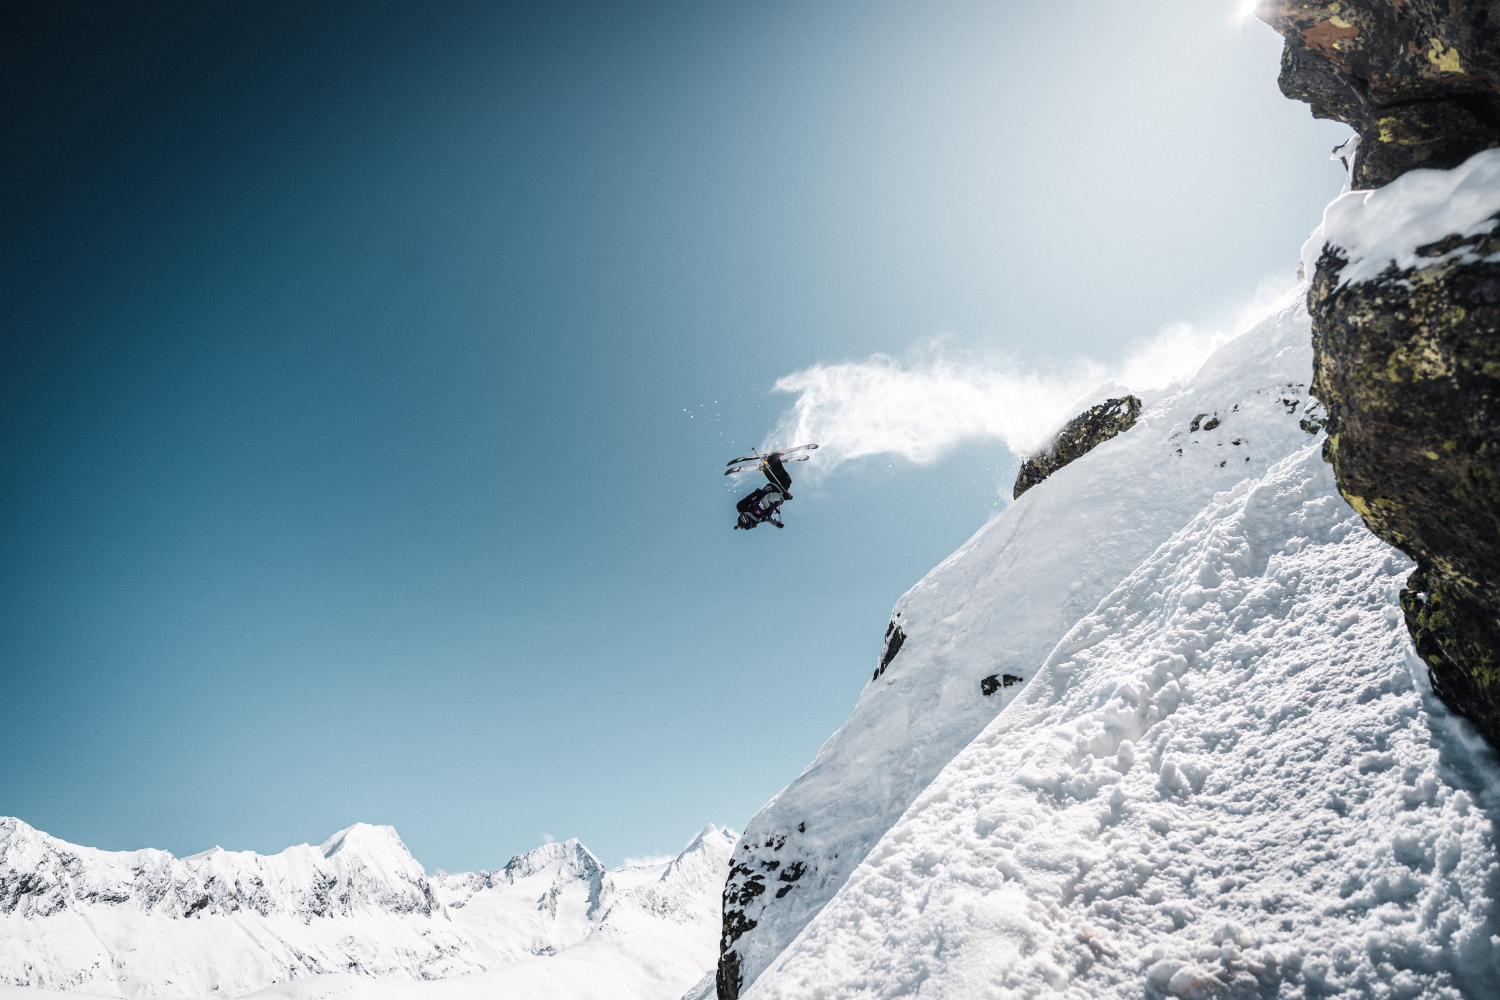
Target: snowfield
(356, 917)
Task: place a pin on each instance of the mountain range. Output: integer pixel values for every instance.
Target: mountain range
(357, 909)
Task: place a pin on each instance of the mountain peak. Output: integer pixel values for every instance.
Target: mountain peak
(567, 856)
(365, 839)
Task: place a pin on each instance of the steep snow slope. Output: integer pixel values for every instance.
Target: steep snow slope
(995, 608)
(222, 923)
(1226, 780)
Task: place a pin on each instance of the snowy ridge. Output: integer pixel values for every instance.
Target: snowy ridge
(344, 916)
(997, 607)
(359, 868)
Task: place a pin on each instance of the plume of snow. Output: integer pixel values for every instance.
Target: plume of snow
(923, 407)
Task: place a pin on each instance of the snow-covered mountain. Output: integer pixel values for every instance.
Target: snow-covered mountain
(1158, 729)
(996, 608)
(349, 914)
(1226, 780)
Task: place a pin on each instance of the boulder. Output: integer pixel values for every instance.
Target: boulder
(1079, 436)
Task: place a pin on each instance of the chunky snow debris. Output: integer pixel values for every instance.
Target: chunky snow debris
(995, 609)
(322, 921)
(1225, 781)
(1401, 225)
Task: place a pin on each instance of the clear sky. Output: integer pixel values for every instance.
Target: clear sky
(368, 368)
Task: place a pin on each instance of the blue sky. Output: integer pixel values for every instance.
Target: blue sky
(368, 370)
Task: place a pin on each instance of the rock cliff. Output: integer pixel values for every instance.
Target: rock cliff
(1405, 305)
(1419, 80)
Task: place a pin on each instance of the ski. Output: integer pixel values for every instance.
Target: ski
(756, 464)
(788, 451)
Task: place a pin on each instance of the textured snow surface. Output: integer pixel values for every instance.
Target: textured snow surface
(1227, 777)
(1385, 227)
(998, 606)
(705, 989)
(355, 917)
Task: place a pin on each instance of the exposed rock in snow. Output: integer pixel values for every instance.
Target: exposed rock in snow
(1406, 304)
(1079, 436)
(353, 912)
(980, 625)
(1399, 227)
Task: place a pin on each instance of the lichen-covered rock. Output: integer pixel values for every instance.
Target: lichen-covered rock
(1405, 326)
(1419, 80)
(1079, 436)
(1456, 636)
(1408, 364)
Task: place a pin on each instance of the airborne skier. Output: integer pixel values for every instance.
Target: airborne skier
(763, 505)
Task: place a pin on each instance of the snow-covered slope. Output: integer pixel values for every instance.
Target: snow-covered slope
(995, 609)
(1227, 780)
(1224, 777)
(350, 913)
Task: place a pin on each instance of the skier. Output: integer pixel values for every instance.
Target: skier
(761, 506)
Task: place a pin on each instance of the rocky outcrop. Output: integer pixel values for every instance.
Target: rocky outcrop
(894, 637)
(1079, 436)
(1405, 303)
(1419, 80)
(1408, 364)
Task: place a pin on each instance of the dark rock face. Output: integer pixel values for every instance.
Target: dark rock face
(1457, 637)
(1078, 437)
(894, 637)
(1408, 366)
(994, 682)
(747, 880)
(1419, 80)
